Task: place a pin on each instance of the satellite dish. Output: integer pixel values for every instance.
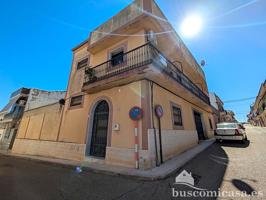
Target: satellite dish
(203, 63)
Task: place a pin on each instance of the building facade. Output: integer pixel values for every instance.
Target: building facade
(217, 107)
(21, 101)
(10, 117)
(220, 114)
(127, 63)
(257, 115)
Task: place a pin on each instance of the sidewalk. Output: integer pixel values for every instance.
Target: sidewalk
(156, 173)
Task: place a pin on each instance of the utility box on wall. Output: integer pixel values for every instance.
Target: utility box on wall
(116, 127)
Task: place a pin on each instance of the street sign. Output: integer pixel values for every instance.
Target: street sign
(136, 113)
(159, 111)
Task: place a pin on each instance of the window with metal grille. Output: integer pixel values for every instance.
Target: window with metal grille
(82, 63)
(76, 101)
(117, 58)
(177, 116)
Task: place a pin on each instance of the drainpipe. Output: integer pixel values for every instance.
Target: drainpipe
(153, 126)
(136, 145)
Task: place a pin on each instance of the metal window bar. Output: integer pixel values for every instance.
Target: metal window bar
(140, 56)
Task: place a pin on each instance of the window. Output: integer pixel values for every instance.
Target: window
(210, 121)
(177, 117)
(76, 101)
(82, 63)
(227, 125)
(117, 58)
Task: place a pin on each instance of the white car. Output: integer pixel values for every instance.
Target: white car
(230, 131)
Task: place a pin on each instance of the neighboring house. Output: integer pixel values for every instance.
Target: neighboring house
(39, 98)
(252, 115)
(217, 107)
(110, 74)
(220, 114)
(10, 117)
(257, 115)
(228, 116)
(21, 101)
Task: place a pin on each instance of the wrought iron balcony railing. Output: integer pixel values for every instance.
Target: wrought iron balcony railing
(16, 114)
(141, 56)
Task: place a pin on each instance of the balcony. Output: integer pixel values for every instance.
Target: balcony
(140, 60)
(14, 115)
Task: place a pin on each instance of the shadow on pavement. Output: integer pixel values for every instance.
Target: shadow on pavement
(236, 144)
(208, 170)
(243, 186)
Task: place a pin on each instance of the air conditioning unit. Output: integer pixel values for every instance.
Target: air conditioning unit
(151, 37)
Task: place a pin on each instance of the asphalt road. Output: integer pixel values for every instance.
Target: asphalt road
(229, 166)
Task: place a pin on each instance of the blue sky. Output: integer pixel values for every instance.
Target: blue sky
(36, 38)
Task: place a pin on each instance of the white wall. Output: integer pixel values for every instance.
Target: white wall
(213, 100)
(174, 142)
(38, 98)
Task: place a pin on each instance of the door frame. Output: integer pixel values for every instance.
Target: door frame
(90, 124)
(202, 122)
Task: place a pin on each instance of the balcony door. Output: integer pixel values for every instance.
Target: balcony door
(199, 127)
(99, 130)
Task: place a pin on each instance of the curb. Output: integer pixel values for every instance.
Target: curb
(162, 172)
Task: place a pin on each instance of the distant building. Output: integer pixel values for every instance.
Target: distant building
(219, 113)
(228, 116)
(10, 117)
(39, 98)
(21, 101)
(217, 107)
(257, 114)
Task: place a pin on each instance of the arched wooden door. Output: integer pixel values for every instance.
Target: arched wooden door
(99, 130)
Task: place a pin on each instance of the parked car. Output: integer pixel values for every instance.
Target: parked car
(230, 131)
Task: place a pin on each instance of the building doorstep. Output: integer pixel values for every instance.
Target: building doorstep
(156, 173)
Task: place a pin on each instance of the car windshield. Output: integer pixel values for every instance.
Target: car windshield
(226, 125)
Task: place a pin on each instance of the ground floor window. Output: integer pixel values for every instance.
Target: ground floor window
(76, 101)
(177, 117)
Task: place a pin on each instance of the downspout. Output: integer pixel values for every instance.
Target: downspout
(153, 126)
(61, 110)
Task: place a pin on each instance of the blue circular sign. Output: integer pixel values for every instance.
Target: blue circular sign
(136, 113)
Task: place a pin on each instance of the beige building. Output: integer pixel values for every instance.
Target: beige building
(257, 115)
(217, 108)
(134, 59)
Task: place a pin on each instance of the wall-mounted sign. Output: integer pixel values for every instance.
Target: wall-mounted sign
(159, 111)
(136, 113)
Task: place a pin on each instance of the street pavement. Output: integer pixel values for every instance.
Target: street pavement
(230, 166)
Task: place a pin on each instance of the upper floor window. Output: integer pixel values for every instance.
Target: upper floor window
(177, 117)
(117, 58)
(76, 101)
(82, 63)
